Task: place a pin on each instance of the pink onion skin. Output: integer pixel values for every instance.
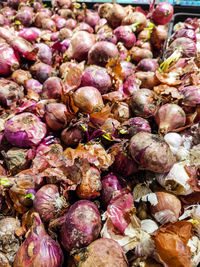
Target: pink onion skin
(80, 45)
(84, 27)
(101, 52)
(127, 68)
(20, 76)
(97, 77)
(143, 103)
(91, 18)
(151, 152)
(6, 34)
(163, 13)
(42, 71)
(170, 117)
(125, 35)
(123, 164)
(135, 17)
(188, 33)
(39, 17)
(25, 17)
(60, 22)
(48, 202)
(55, 116)
(48, 24)
(71, 24)
(136, 125)
(185, 45)
(130, 85)
(82, 225)
(10, 93)
(29, 34)
(25, 130)
(9, 60)
(147, 64)
(121, 111)
(52, 88)
(191, 95)
(110, 184)
(33, 85)
(106, 34)
(54, 36)
(47, 252)
(44, 53)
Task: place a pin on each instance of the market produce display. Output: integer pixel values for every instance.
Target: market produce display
(99, 139)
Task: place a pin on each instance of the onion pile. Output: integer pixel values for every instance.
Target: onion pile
(99, 140)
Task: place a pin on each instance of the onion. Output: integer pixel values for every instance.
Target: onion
(25, 130)
(125, 35)
(10, 93)
(10, 243)
(127, 68)
(59, 22)
(20, 76)
(13, 3)
(158, 36)
(80, 45)
(135, 17)
(167, 209)
(2, 20)
(148, 79)
(134, 126)
(147, 64)
(138, 54)
(101, 52)
(55, 116)
(29, 34)
(151, 152)
(25, 17)
(48, 24)
(123, 163)
(191, 95)
(52, 88)
(143, 103)
(121, 111)
(33, 85)
(39, 17)
(71, 24)
(97, 77)
(66, 13)
(42, 71)
(106, 34)
(188, 33)
(71, 137)
(9, 61)
(170, 117)
(82, 225)
(64, 34)
(163, 13)
(114, 13)
(131, 85)
(91, 18)
(110, 184)
(102, 252)
(48, 202)
(6, 34)
(46, 250)
(88, 99)
(44, 53)
(84, 27)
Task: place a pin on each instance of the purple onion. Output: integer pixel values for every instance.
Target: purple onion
(82, 225)
(127, 69)
(191, 95)
(25, 130)
(33, 85)
(131, 85)
(25, 17)
(54, 36)
(188, 33)
(72, 136)
(42, 71)
(71, 24)
(91, 18)
(97, 77)
(84, 27)
(60, 22)
(55, 116)
(65, 34)
(29, 34)
(134, 126)
(9, 61)
(125, 35)
(44, 53)
(147, 64)
(52, 88)
(186, 46)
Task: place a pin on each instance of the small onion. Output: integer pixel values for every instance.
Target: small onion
(125, 35)
(163, 13)
(131, 85)
(9, 61)
(167, 209)
(158, 36)
(25, 17)
(33, 85)
(127, 69)
(29, 34)
(189, 33)
(191, 95)
(42, 71)
(48, 202)
(135, 17)
(72, 136)
(21, 76)
(48, 24)
(186, 46)
(88, 99)
(91, 18)
(55, 116)
(121, 111)
(39, 17)
(64, 34)
(25, 130)
(71, 24)
(170, 117)
(148, 79)
(138, 54)
(52, 88)
(134, 126)
(44, 53)
(46, 250)
(84, 27)
(82, 225)
(147, 64)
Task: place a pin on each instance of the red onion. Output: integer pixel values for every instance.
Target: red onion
(147, 64)
(134, 126)
(25, 130)
(48, 202)
(71, 24)
(151, 152)
(39, 248)
(106, 34)
(20, 76)
(125, 35)
(121, 111)
(48, 24)
(184, 46)
(127, 68)
(42, 71)
(29, 34)
(97, 77)
(101, 52)
(163, 13)
(72, 136)
(91, 18)
(170, 117)
(3, 20)
(148, 79)
(100, 24)
(82, 225)
(8, 12)
(60, 22)
(80, 45)
(39, 17)
(54, 36)
(44, 53)
(188, 33)
(191, 95)
(110, 184)
(37, 6)
(138, 54)
(9, 61)
(135, 17)
(123, 164)
(84, 27)
(55, 116)
(88, 99)
(25, 17)
(10, 92)
(143, 103)
(52, 88)
(158, 36)
(63, 3)
(6, 34)
(33, 85)
(131, 85)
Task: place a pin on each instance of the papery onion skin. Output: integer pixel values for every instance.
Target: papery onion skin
(136, 125)
(48, 202)
(158, 36)
(191, 95)
(38, 249)
(189, 33)
(163, 13)
(138, 54)
(168, 208)
(170, 117)
(9, 61)
(148, 79)
(34, 85)
(21, 76)
(48, 24)
(151, 152)
(131, 85)
(25, 130)
(121, 111)
(88, 99)
(101, 52)
(82, 225)
(39, 17)
(185, 45)
(52, 88)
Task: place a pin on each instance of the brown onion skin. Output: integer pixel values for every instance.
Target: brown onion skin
(48, 24)
(170, 117)
(101, 52)
(143, 103)
(71, 137)
(88, 99)
(21, 76)
(64, 34)
(79, 230)
(151, 152)
(148, 79)
(52, 88)
(121, 111)
(39, 17)
(42, 71)
(134, 17)
(55, 116)
(138, 54)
